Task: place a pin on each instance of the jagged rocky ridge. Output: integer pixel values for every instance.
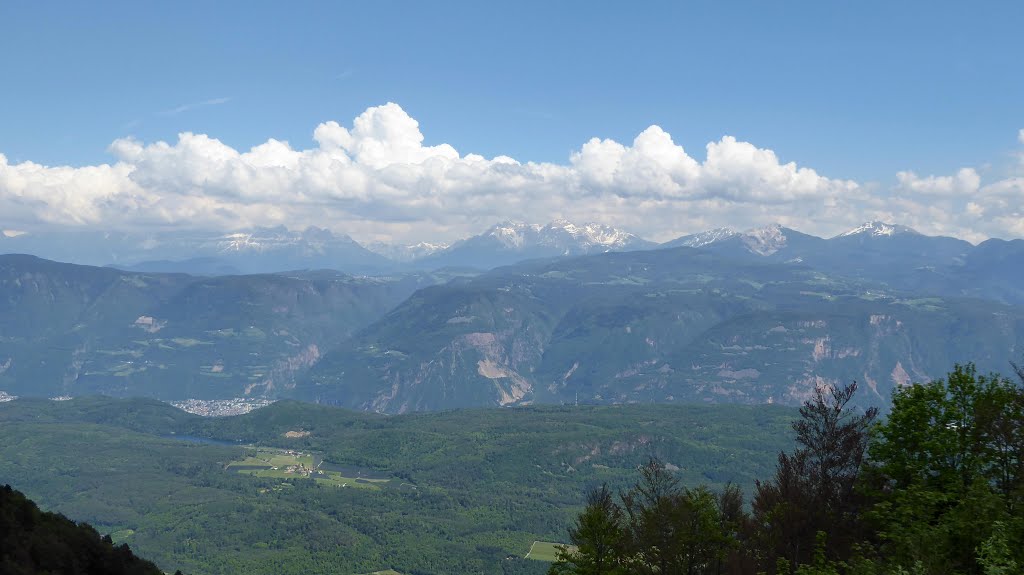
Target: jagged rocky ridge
(268, 250)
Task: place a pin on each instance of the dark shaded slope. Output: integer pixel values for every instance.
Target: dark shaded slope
(995, 269)
(135, 414)
(33, 541)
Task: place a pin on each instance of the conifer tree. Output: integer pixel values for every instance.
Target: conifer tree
(814, 488)
(597, 538)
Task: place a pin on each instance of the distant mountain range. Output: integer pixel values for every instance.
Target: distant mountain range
(756, 316)
(406, 253)
(261, 250)
(895, 256)
(270, 250)
(510, 242)
(595, 315)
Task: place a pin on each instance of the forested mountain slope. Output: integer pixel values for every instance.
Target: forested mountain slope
(77, 330)
(667, 325)
(710, 324)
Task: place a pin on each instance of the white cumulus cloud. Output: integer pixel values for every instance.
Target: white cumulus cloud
(965, 182)
(378, 180)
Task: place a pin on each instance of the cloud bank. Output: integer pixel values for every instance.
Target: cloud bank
(377, 180)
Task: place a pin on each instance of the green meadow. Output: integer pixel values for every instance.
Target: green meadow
(546, 550)
(290, 464)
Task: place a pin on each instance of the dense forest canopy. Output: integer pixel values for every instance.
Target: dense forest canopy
(488, 482)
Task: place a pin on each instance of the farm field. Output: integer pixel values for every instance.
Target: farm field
(336, 479)
(545, 550)
(289, 464)
(276, 458)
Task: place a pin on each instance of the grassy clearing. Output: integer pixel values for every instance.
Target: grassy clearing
(121, 535)
(129, 352)
(189, 342)
(546, 550)
(280, 458)
(273, 473)
(338, 480)
(276, 464)
(254, 333)
(924, 303)
(289, 464)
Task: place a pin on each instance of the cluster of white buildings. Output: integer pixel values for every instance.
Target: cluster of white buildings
(221, 407)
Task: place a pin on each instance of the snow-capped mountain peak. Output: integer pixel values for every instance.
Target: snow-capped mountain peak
(237, 242)
(590, 234)
(513, 234)
(563, 235)
(312, 240)
(510, 241)
(428, 246)
(406, 253)
(878, 229)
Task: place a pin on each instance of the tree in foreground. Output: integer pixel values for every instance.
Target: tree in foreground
(947, 467)
(659, 527)
(597, 538)
(814, 488)
(935, 489)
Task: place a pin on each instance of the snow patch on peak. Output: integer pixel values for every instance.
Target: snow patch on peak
(591, 234)
(513, 234)
(434, 247)
(311, 241)
(765, 241)
(238, 242)
(406, 253)
(559, 237)
(878, 229)
(705, 238)
(770, 229)
(563, 224)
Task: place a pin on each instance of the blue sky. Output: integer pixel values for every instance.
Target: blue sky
(856, 91)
